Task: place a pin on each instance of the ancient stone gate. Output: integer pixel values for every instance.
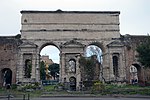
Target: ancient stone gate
(71, 32)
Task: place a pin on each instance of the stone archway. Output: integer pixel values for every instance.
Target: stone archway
(139, 72)
(50, 55)
(70, 32)
(6, 76)
(96, 50)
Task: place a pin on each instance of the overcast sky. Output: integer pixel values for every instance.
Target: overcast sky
(134, 16)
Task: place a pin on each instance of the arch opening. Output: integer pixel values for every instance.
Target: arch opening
(72, 83)
(49, 62)
(115, 59)
(6, 76)
(94, 53)
(94, 50)
(138, 71)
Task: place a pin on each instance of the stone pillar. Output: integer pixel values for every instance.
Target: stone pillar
(104, 72)
(78, 72)
(33, 67)
(121, 67)
(111, 67)
(37, 70)
(62, 74)
(20, 68)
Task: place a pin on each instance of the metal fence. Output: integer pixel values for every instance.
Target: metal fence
(16, 97)
(50, 82)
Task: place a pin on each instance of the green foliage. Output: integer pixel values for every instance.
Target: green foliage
(59, 87)
(49, 88)
(126, 89)
(144, 53)
(97, 89)
(98, 86)
(42, 71)
(87, 68)
(31, 86)
(14, 86)
(54, 69)
(18, 36)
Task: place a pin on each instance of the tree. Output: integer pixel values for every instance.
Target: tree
(54, 69)
(144, 53)
(88, 66)
(94, 50)
(42, 71)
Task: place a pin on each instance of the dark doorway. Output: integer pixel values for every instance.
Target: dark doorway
(6, 76)
(115, 66)
(72, 83)
(139, 73)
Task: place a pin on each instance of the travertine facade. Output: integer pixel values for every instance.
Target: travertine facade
(71, 32)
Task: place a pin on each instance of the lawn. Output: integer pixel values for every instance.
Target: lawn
(50, 90)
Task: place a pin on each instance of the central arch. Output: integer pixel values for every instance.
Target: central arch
(50, 57)
(96, 49)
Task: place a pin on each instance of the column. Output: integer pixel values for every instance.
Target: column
(78, 72)
(19, 74)
(62, 69)
(121, 67)
(37, 74)
(111, 67)
(33, 66)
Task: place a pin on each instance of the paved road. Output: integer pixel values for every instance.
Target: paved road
(80, 98)
(89, 98)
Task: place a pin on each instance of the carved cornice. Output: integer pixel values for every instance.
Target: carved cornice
(72, 43)
(116, 44)
(28, 45)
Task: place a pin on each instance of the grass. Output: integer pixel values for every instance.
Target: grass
(127, 90)
(50, 90)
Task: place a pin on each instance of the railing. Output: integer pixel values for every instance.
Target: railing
(11, 97)
(50, 82)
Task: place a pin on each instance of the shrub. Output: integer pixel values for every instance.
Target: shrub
(59, 86)
(30, 86)
(49, 88)
(98, 86)
(14, 86)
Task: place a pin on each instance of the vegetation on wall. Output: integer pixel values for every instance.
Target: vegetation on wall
(88, 66)
(144, 53)
(18, 36)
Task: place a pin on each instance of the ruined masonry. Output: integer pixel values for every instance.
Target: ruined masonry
(71, 32)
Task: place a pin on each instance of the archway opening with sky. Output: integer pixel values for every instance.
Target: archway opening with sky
(94, 50)
(52, 52)
(49, 63)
